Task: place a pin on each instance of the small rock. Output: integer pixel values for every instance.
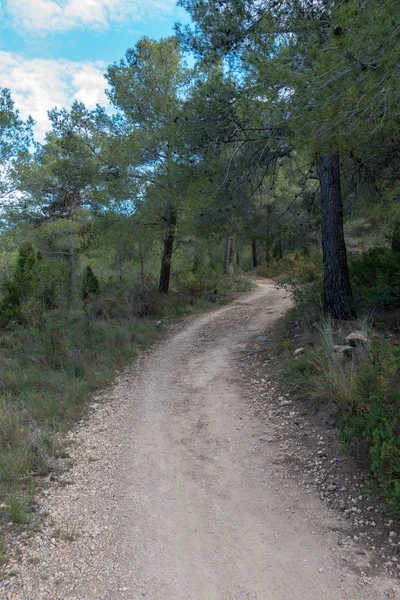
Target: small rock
(357, 338)
(299, 351)
(343, 350)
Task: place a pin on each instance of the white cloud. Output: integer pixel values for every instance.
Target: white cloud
(38, 85)
(49, 16)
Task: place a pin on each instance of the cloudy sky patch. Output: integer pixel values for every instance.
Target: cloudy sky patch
(49, 16)
(38, 85)
(53, 52)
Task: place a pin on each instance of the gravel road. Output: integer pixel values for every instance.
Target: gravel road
(172, 496)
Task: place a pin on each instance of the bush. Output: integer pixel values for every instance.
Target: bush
(33, 283)
(301, 274)
(50, 367)
(372, 429)
(320, 375)
(303, 266)
(364, 394)
(375, 276)
(90, 284)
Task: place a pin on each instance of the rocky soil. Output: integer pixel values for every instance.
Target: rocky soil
(197, 477)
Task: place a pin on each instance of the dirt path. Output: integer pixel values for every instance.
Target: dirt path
(173, 497)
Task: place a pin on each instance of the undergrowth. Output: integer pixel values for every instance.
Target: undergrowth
(49, 370)
(362, 389)
(363, 392)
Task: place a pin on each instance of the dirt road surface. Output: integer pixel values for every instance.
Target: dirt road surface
(173, 497)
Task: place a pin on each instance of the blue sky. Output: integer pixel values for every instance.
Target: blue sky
(53, 52)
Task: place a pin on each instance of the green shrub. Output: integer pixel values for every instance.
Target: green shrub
(32, 288)
(320, 375)
(17, 510)
(375, 276)
(372, 429)
(49, 369)
(90, 284)
(364, 393)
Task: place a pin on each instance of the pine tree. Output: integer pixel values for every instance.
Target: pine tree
(90, 284)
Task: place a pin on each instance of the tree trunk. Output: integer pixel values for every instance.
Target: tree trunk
(72, 268)
(226, 256)
(237, 258)
(165, 273)
(229, 251)
(396, 237)
(338, 302)
(254, 252)
(142, 289)
(280, 249)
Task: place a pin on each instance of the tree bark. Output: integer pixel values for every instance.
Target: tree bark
(396, 237)
(165, 273)
(72, 268)
(338, 301)
(229, 251)
(254, 253)
(142, 289)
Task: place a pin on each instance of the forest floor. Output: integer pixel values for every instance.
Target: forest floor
(197, 478)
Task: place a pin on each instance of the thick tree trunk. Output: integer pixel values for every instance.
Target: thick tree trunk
(338, 302)
(229, 251)
(254, 252)
(165, 273)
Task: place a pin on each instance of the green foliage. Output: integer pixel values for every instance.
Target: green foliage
(49, 369)
(363, 392)
(301, 274)
(32, 287)
(300, 267)
(20, 286)
(346, 77)
(396, 237)
(17, 510)
(375, 275)
(372, 428)
(90, 284)
(320, 375)
(15, 140)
